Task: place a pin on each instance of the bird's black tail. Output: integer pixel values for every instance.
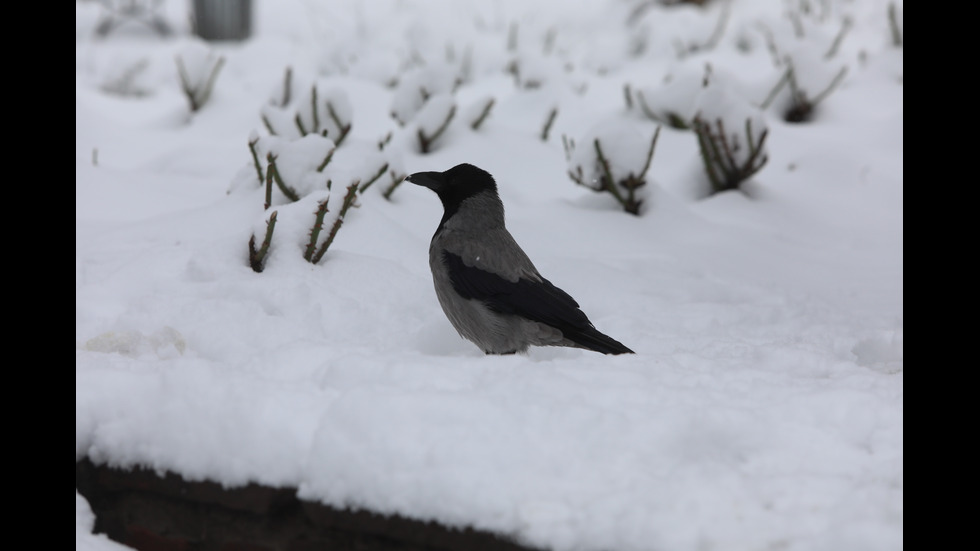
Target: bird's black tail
(592, 339)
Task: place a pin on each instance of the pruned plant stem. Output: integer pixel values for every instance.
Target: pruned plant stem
(396, 180)
(198, 96)
(321, 211)
(893, 24)
(256, 258)
(326, 160)
(547, 124)
(629, 203)
(348, 202)
(719, 156)
(483, 115)
(287, 87)
(832, 51)
(374, 178)
(344, 128)
(274, 172)
(255, 160)
(425, 142)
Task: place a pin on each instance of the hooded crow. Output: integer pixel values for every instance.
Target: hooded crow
(487, 286)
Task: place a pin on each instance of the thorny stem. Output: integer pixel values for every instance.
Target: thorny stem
(348, 201)
(256, 259)
(286, 190)
(321, 211)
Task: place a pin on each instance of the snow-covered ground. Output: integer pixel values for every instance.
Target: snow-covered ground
(764, 406)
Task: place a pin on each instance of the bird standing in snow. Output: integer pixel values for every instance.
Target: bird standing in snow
(487, 286)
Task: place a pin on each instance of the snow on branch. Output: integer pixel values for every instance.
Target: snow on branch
(198, 68)
(616, 163)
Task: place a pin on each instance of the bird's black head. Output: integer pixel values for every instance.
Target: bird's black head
(456, 184)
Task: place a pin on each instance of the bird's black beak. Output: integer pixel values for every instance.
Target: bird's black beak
(432, 180)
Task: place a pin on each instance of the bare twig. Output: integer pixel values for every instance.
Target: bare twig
(374, 178)
(720, 156)
(396, 180)
(255, 159)
(198, 95)
(775, 89)
(607, 181)
(653, 145)
(475, 125)
(287, 87)
(327, 159)
(893, 24)
(425, 141)
(845, 26)
(548, 123)
(830, 87)
(268, 125)
(344, 128)
(316, 111)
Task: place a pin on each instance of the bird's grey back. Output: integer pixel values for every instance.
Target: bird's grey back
(476, 233)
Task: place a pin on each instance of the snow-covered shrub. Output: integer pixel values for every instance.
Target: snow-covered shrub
(329, 115)
(796, 103)
(303, 172)
(324, 112)
(433, 120)
(731, 136)
(614, 158)
(197, 67)
(295, 167)
(417, 86)
(804, 51)
(309, 212)
(672, 103)
(532, 70)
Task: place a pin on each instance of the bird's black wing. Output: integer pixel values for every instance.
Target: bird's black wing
(539, 301)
